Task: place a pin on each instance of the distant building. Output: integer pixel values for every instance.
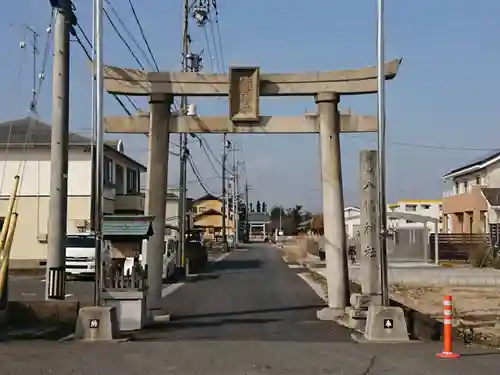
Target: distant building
(471, 199)
(207, 215)
(351, 217)
(405, 214)
(424, 207)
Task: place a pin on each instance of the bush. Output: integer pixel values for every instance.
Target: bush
(483, 256)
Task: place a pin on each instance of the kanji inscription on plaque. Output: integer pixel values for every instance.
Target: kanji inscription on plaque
(244, 94)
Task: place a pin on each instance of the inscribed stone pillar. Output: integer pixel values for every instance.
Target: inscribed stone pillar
(369, 268)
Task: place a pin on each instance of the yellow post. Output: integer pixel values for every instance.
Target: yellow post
(4, 258)
(10, 208)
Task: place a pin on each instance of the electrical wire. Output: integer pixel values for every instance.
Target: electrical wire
(197, 174)
(430, 146)
(118, 99)
(129, 33)
(123, 39)
(143, 34)
(45, 60)
(202, 146)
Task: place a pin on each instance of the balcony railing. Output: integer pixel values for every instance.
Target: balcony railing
(130, 202)
(452, 192)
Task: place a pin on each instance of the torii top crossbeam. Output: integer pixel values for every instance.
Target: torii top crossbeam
(123, 81)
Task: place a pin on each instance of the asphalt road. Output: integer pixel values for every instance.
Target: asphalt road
(251, 294)
(249, 315)
(32, 288)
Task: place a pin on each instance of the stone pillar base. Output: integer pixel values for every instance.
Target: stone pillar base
(330, 313)
(384, 325)
(97, 323)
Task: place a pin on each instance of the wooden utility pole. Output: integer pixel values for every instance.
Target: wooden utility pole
(224, 192)
(183, 143)
(247, 210)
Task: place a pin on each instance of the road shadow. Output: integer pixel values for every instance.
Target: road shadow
(201, 277)
(158, 331)
(230, 265)
(246, 312)
(497, 353)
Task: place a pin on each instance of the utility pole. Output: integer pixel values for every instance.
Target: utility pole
(56, 250)
(224, 198)
(236, 207)
(247, 209)
(183, 142)
(97, 52)
(235, 196)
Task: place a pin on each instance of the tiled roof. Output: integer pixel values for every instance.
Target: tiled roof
(31, 131)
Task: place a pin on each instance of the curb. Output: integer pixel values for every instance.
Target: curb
(421, 326)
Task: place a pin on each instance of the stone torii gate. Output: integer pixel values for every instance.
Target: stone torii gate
(244, 86)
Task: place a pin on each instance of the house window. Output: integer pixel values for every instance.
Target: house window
(411, 207)
(409, 222)
(108, 171)
(426, 206)
(457, 188)
(2, 220)
(119, 179)
(201, 209)
(132, 181)
(194, 210)
(466, 186)
(478, 180)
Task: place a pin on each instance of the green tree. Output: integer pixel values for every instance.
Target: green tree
(258, 206)
(264, 207)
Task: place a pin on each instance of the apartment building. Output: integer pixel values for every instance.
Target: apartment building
(472, 197)
(25, 150)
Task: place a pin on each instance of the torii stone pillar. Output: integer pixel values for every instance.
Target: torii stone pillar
(333, 206)
(156, 197)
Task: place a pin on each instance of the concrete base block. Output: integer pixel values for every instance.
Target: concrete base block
(97, 323)
(385, 325)
(329, 313)
(130, 308)
(356, 319)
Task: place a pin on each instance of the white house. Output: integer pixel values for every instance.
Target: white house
(25, 150)
(410, 214)
(425, 208)
(351, 217)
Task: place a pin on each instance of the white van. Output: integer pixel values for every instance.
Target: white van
(169, 259)
(80, 254)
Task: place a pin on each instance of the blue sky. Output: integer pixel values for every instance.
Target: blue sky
(444, 95)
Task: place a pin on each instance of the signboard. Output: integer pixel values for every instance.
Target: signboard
(244, 91)
(388, 323)
(94, 323)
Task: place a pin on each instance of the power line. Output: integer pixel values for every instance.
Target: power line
(123, 39)
(430, 146)
(197, 174)
(143, 35)
(87, 53)
(129, 33)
